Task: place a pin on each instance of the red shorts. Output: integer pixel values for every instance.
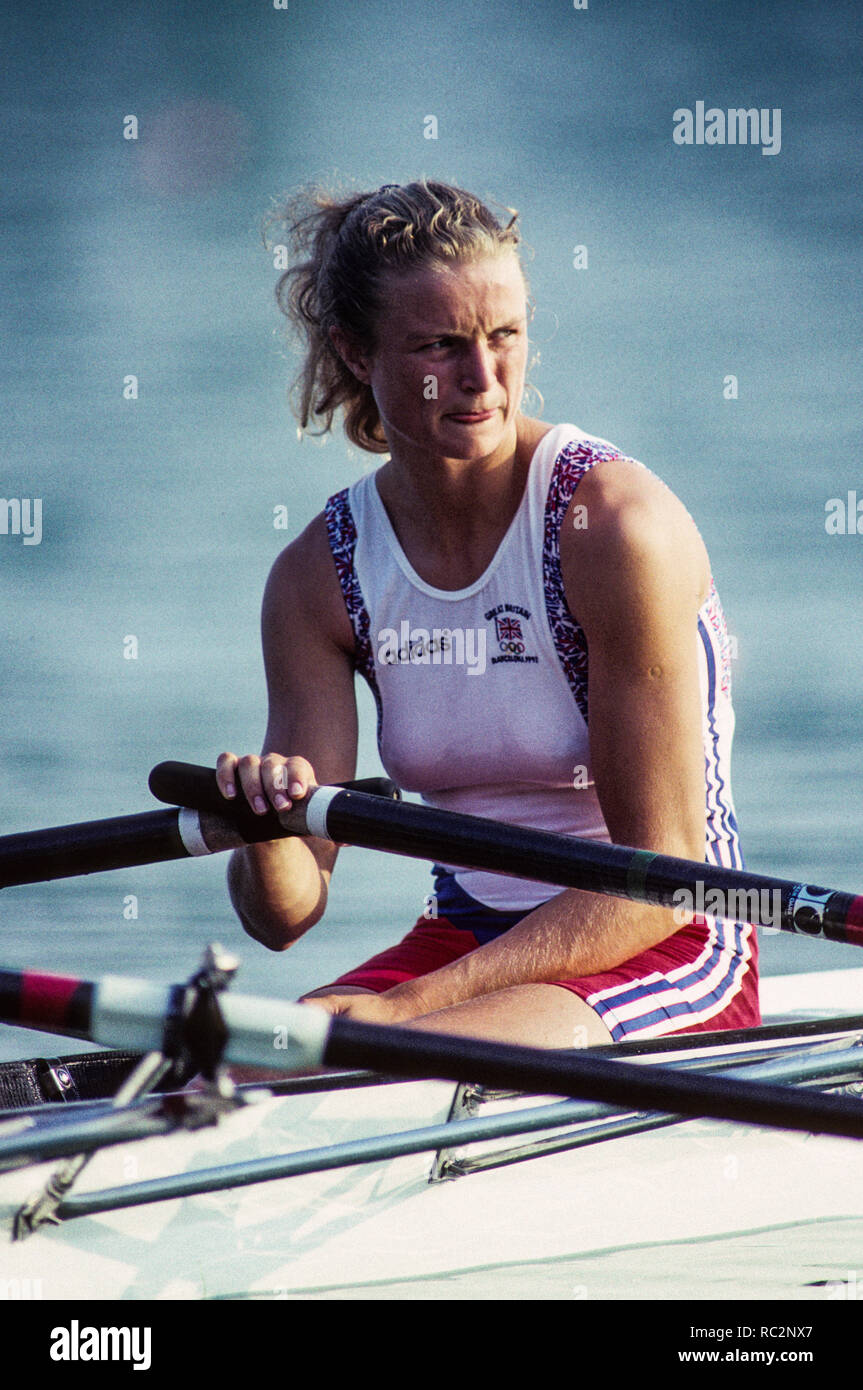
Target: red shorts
(703, 977)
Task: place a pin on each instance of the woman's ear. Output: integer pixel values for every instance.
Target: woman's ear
(354, 359)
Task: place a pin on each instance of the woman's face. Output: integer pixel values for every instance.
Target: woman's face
(448, 373)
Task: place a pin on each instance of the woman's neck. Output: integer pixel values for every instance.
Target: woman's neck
(451, 515)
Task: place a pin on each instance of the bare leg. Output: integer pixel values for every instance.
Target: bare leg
(536, 1015)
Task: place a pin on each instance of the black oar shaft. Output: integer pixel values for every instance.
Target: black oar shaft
(420, 1054)
(151, 837)
(269, 1032)
(89, 847)
(375, 822)
(399, 827)
(596, 867)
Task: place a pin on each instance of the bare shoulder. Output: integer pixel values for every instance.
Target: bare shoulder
(303, 589)
(625, 529)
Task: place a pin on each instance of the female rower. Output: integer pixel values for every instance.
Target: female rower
(535, 615)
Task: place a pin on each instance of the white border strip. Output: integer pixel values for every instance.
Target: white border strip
(189, 826)
(316, 811)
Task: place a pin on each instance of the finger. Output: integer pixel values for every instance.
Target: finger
(286, 779)
(249, 770)
(275, 778)
(327, 1002)
(226, 774)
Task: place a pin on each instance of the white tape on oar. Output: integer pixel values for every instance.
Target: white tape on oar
(130, 1013)
(316, 810)
(189, 826)
(267, 1033)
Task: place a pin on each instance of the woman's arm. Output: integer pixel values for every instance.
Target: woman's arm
(279, 888)
(635, 578)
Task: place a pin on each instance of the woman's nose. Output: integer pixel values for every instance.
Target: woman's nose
(478, 371)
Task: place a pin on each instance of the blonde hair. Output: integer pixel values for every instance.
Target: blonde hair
(344, 248)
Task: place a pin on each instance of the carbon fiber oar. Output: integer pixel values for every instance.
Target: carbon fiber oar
(123, 1012)
(401, 827)
(151, 837)
(203, 822)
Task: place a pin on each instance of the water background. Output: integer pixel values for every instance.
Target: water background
(145, 257)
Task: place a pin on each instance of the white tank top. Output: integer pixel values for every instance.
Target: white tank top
(482, 692)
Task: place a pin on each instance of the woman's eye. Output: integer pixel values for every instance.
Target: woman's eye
(448, 342)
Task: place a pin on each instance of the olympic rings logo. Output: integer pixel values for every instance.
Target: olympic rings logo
(513, 648)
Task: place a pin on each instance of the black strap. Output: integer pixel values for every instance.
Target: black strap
(87, 1076)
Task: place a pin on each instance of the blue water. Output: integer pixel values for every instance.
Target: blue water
(144, 257)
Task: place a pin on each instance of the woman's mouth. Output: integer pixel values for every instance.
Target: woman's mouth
(474, 417)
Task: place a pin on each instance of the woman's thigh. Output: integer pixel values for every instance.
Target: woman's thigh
(532, 1015)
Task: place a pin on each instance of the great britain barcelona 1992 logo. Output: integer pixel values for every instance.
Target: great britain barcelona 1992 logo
(510, 631)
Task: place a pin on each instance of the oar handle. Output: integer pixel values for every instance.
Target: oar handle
(186, 784)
